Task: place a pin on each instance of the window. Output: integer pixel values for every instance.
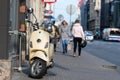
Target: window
(115, 33)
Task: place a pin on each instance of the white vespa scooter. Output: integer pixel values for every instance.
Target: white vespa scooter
(41, 50)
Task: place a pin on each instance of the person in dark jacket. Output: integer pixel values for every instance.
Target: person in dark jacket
(57, 34)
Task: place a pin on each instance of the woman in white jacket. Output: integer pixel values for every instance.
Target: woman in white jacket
(78, 34)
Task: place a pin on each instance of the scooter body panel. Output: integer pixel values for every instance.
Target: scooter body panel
(41, 47)
(39, 39)
(41, 55)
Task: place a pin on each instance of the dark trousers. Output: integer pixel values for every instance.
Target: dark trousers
(77, 41)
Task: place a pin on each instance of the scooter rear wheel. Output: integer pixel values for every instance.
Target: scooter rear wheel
(37, 68)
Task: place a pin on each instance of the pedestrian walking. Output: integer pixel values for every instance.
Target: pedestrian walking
(78, 34)
(64, 33)
(57, 34)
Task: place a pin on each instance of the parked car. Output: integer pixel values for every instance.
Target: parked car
(89, 37)
(111, 34)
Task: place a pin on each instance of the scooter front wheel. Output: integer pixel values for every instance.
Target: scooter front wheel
(37, 68)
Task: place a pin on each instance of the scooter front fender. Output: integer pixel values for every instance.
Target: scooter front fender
(41, 55)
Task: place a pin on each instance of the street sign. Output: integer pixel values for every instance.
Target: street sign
(60, 17)
(71, 9)
(48, 12)
(49, 1)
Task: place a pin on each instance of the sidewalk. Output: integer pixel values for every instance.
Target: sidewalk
(67, 67)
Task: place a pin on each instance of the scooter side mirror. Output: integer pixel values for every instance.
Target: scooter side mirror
(30, 10)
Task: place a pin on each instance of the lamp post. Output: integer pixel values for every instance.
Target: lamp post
(70, 10)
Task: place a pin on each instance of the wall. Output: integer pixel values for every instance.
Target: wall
(4, 25)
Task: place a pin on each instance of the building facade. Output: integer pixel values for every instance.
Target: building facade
(17, 24)
(38, 7)
(115, 14)
(101, 14)
(83, 11)
(94, 13)
(105, 14)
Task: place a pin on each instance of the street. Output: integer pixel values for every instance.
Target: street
(28, 29)
(109, 51)
(87, 67)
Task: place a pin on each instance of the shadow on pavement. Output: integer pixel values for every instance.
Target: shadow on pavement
(61, 67)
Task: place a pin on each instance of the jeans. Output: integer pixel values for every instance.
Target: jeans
(64, 45)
